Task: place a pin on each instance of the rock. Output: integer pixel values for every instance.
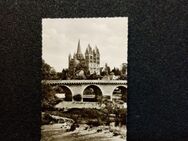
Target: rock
(123, 136)
(99, 130)
(73, 127)
(111, 130)
(86, 128)
(116, 133)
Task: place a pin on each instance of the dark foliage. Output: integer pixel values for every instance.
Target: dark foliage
(77, 97)
(48, 98)
(48, 72)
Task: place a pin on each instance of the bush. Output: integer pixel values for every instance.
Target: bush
(77, 97)
(68, 97)
(48, 100)
(45, 119)
(73, 127)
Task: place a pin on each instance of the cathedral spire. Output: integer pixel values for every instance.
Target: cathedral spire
(79, 48)
(69, 56)
(87, 51)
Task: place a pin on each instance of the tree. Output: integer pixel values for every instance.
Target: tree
(113, 70)
(112, 108)
(82, 66)
(108, 69)
(93, 76)
(122, 114)
(107, 109)
(64, 75)
(124, 68)
(48, 99)
(116, 71)
(124, 97)
(103, 73)
(48, 72)
(87, 74)
(59, 75)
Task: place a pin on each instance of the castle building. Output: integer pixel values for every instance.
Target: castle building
(90, 62)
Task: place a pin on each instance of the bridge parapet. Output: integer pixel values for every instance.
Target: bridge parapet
(119, 82)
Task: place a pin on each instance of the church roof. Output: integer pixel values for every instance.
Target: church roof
(79, 48)
(87, 51)
(89, 48)
(97, 50)
(74, 56)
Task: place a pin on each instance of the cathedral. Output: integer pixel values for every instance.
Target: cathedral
(90, 62)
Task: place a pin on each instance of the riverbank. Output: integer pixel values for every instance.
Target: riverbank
(108, 123)
(55, 132)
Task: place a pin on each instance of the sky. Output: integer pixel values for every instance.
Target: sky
(60, 38)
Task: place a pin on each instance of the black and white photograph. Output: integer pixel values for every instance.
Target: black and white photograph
(93, 70)
(84, 79)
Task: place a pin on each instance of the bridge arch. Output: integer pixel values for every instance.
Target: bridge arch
(119, 93)
(65, 91)
(92, 93)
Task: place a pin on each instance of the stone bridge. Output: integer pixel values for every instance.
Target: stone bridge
(106, 87)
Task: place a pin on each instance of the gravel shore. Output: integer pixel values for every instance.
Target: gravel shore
(55, 132)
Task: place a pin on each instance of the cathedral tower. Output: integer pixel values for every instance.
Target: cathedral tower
(90, 62)
(92, 57)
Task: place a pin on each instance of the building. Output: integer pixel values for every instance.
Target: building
(92, 57)
(90, 62)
